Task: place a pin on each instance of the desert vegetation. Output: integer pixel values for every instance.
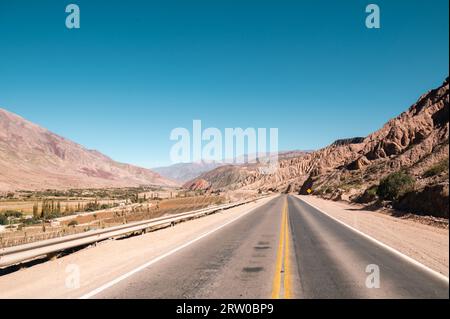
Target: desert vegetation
(33, 216)
(437, 169)
(395, 185)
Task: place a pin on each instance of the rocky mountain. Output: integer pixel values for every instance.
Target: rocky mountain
(255, 176)
(183, 172)
(417, 141)
(188, 172)
(32, 157)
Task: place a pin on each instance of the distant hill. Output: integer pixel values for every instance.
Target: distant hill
(183, 172)
(31, 157)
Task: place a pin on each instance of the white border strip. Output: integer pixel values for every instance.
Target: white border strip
(392, 250)
(155, 260)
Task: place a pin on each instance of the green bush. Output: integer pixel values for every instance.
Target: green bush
(3, 219)
(395, 185)
(30, 221)
(12, 213)
(372, 191)
(437, 168)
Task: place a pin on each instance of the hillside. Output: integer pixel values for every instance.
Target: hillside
(416, 141)
(32, 157)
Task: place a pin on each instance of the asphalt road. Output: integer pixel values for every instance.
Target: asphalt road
(333, 260)
(283, 249)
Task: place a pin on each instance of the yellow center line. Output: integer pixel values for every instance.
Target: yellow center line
(282, 265)
(287, 265)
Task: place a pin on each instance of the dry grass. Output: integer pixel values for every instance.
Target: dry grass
(109, 218)
(26, 207)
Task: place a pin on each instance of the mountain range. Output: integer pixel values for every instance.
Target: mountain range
(416, 141)
(32, 157)
(183, 172)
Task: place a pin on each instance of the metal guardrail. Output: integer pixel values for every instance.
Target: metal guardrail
(13, 255)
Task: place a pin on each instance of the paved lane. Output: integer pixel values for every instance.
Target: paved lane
(283, 249)
(236, 262)
(332, 259)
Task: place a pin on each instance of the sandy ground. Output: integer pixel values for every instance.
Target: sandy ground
(76, 274)
(426, 244)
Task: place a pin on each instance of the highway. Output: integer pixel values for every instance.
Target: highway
(282, 249)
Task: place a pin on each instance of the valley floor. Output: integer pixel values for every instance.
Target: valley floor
(424, 243)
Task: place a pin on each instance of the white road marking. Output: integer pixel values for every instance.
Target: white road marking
(155, 260)
(392, 250)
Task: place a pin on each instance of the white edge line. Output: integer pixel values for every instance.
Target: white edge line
(392, 250)
(155, 260)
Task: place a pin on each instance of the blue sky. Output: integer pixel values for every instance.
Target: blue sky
(137, 69)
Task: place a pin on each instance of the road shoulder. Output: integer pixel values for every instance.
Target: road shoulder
(427, 244)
